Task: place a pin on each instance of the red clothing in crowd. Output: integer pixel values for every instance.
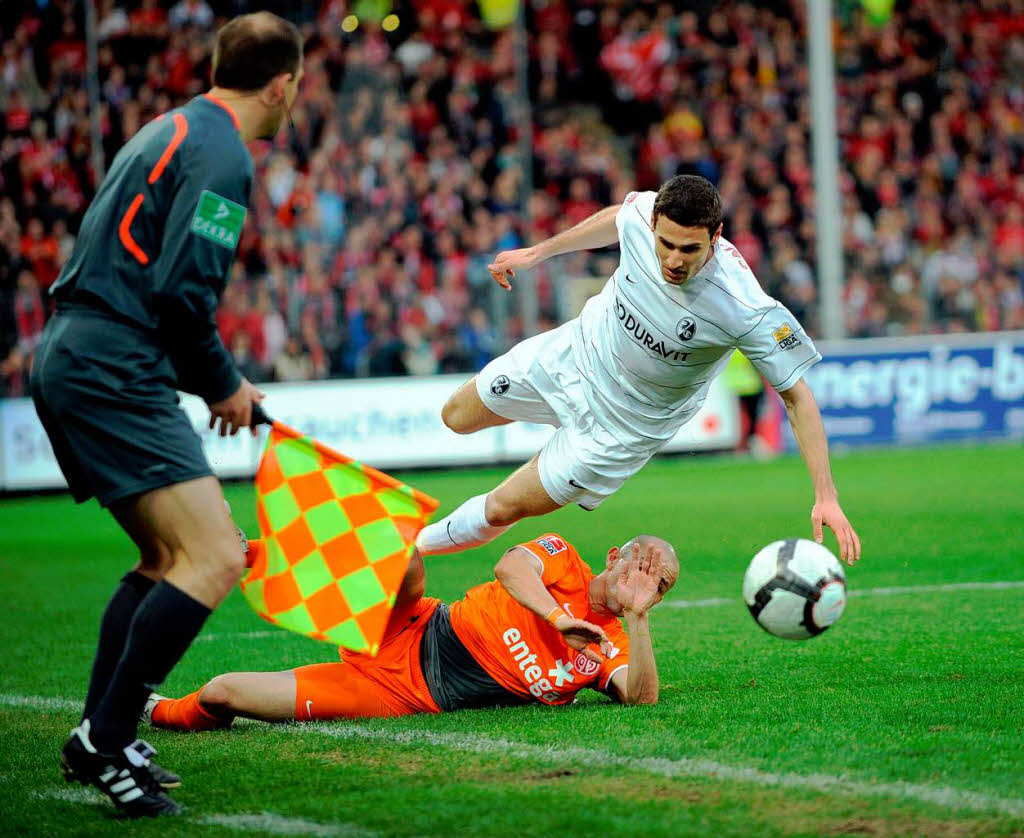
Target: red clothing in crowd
(250, 321)
(42, 255)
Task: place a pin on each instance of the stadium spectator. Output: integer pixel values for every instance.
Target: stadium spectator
(293, 364)
(191, 13)
(406, 171)
(245, 360)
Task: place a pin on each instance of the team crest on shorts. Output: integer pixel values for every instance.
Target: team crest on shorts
(685, 328)
(584, 665)
(500, 385)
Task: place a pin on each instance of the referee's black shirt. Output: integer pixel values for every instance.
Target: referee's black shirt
(157, 243)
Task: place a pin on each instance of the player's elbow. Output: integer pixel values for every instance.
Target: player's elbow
(501, 569)
(796, 394)
(645, 692)
(643, 697)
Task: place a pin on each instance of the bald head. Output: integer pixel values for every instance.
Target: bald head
(668, 557)
(252, 49)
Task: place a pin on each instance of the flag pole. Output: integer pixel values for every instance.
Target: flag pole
(259, 416)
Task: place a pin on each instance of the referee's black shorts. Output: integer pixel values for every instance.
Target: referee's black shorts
(105, 392)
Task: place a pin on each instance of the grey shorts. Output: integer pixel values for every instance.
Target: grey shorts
(106, 394)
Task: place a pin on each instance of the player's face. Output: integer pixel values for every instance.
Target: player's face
(682, 251)
(612, 603)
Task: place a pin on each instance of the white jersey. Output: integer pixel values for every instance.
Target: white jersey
(647, 350)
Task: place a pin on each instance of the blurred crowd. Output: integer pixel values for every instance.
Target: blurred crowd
(372, 223)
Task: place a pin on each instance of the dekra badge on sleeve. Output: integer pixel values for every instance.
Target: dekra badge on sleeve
(218, 219)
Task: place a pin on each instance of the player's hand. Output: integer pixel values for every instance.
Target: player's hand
(507, 262)
(637, 587)
(235, 411)
(579, 634)
(829, 514)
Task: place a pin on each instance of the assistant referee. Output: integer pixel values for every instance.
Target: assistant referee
(134, 324)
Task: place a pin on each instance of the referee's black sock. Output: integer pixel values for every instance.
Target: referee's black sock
(113, 632)
(164, 626)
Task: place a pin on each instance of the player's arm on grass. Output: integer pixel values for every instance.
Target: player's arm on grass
(638, 589)
(809, 431)
(596, 231)
(519, 572)
(190, 274)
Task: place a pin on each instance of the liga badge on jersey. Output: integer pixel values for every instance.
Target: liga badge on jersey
(785, 338)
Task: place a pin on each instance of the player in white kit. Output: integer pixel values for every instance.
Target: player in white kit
(620, 380)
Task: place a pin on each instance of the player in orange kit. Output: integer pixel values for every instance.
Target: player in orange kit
(546, 628)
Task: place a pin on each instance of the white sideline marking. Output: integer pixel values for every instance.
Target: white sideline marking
(927, 589)
(278, 825)
(945, 796)
(858, 592)
(702, 603)
(265, 822)
(241, 635)
(39, 702)
(87, 797)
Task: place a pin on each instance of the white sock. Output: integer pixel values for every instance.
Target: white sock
(466, 527)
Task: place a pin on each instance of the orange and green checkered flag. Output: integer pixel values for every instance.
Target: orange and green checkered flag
(337, 539)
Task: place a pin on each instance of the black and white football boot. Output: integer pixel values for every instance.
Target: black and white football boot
(125, 778)
(166, 779)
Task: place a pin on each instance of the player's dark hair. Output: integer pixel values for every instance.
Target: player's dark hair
(690, 201)
(252, 49)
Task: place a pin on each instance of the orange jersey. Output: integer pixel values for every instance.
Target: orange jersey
(523, 652)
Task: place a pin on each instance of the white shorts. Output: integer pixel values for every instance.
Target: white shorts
(537, 381)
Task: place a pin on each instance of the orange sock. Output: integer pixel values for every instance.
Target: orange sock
(186, 714)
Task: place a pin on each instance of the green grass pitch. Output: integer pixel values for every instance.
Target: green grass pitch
(906, 718)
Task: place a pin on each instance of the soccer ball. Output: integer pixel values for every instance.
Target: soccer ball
(795, 588)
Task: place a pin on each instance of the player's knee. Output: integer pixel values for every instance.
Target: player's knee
(229, 565)
(217, 696)
(223, 564)
(503, 512)
(456, 417)
(414, 583)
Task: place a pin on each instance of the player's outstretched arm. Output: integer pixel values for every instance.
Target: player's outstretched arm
(809, 431)
(596, 231)
(638, 589)
(517, 573)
